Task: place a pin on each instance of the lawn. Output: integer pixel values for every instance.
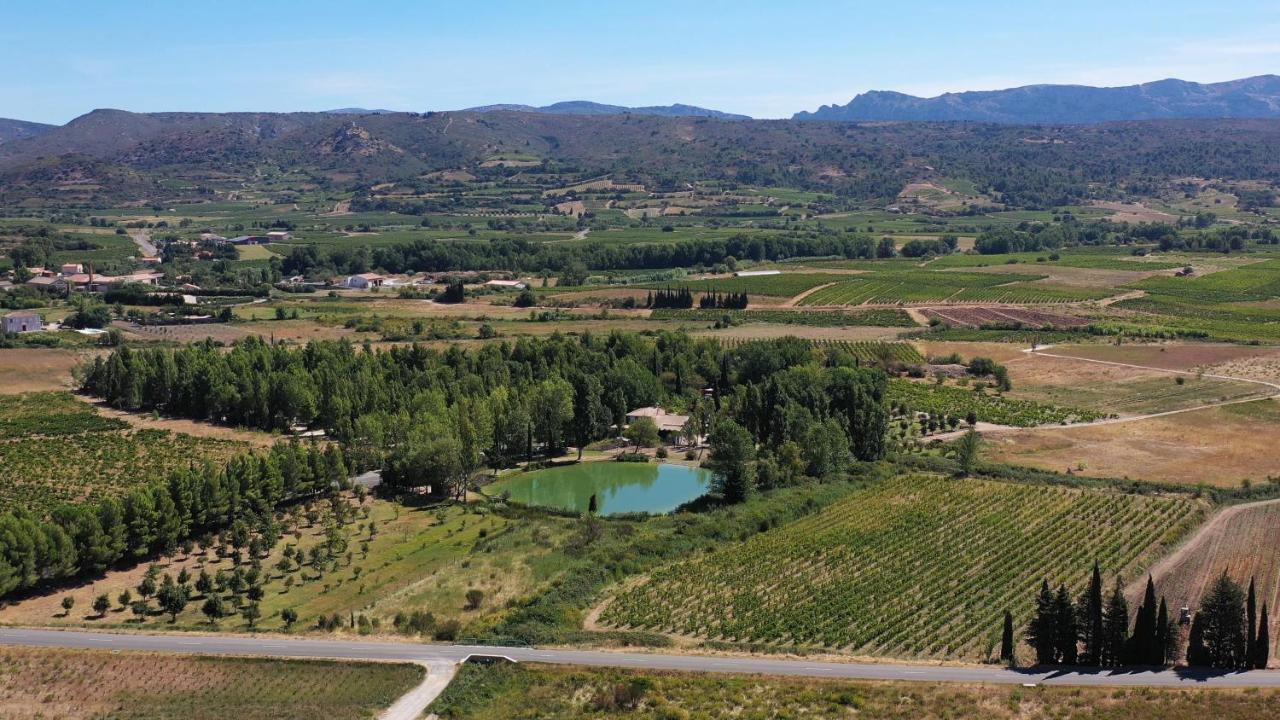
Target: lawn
(84, 684)
(528, 691)
(915, 566)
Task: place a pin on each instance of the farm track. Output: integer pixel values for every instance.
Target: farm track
(273, 646)
(796, 300)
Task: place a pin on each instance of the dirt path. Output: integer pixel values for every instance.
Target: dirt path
(796, 300)
(142, 239)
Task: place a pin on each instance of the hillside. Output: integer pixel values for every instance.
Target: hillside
(108, 155)
(1255, 97)
(18, 129)
(586, 107)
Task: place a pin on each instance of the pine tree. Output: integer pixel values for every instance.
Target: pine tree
(1006, 638)
(1251, 625)
(1115, 628)
(1262, 646)
(1091, 620)
(1067, 633)
(1042, 632)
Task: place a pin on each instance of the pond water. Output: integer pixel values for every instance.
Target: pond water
(619, 487)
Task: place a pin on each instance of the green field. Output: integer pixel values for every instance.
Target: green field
(55, 449)
(952, 401)
(90, 684)
(927, 286)
(545, 692)
(784, 285)
(879, 317)
(917, 566)
(1258, 281)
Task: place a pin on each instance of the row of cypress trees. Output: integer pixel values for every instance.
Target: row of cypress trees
(1094, 630)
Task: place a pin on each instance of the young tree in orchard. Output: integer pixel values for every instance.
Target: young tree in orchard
(173, 599)
(732, 451)
(289, 616)
(68, 602)
(642, 433)
(1091, 610)
(101, 605)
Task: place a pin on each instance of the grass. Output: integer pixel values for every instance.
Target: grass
(989, 407)
(74, 684)
(50, 413)
(916, 566)
(879, 317)
(529, 691)
(784, 285)
(949, 286)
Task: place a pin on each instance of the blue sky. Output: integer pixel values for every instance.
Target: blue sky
(766, 59)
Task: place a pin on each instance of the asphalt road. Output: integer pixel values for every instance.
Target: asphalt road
(268, 645)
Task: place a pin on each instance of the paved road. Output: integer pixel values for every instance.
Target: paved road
(436, 654)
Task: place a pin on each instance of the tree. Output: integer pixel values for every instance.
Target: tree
(1091, 608)
(251, 613)
(732, 451)
(204, 583)
(1262, 646)
(1223, 609)
(1042, 633)
(140, 608)
(289, 616)
(643, 432)
(474, 598)
(147, 587)
(214, 609)
(1066, 632)
(124, 598)
(173, 600)
(68, 602)
(1144, 649)
(1197, 653)
(1115, 629)
(967, 451)
(102, 604)
(1006, 639)
(1167, 635)
(592, 504)
(1251, 624)
(589, 413)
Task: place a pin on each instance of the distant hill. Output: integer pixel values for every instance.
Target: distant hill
(18, 129)
(1255, 97)
(357, 111)
(585, 107)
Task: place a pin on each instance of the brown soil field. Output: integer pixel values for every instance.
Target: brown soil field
(1216, 446)
(180, 425)
(1000, 352)
(32, 369)
(1233, 542)
(1174, 356)
(73, 684)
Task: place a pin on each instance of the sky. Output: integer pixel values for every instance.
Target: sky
(62, 59)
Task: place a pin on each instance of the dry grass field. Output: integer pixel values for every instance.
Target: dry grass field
(544, 692)
(37, 683)
(33, 369)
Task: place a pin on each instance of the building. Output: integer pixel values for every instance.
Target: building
(150, 259)
(364, 281)
(513, 284)
(72, 269)
(757, 273)
(23, 321)
(278, 236)
(668, 423)
(248, 240)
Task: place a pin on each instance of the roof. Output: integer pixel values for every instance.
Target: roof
(505, 283)
(368, 276)
(24, 314)
(755, 273)
(660, 417)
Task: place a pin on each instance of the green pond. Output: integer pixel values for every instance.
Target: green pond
(619, 487)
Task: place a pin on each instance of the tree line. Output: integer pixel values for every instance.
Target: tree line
(434, 418)
(87, 539)
(1093, 630)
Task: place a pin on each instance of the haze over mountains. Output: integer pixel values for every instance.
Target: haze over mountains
(1255, 97)
(586, 107)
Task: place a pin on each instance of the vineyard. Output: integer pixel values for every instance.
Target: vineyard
(782, 285)
(875, 317)
(914, 566)
(988, 407)
(55, 449)
(1260, 281)
(888, 288)
(863, 350)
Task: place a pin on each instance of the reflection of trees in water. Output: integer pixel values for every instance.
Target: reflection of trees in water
(619, 487)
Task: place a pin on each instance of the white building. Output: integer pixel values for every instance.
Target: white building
(276, 236)
(23, 321)
(364, 281)
(513, 284)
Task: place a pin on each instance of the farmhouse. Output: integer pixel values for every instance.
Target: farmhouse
(278, 236)
(668, 423)
(248, 240)
(71, 269)
(513, 284)
(22, 321)
(364, 281)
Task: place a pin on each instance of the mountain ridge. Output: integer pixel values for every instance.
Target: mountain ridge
(587, 107)
(1168, 99)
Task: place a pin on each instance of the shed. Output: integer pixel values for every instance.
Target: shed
(23, 321)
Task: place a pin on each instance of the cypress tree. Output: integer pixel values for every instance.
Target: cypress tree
(1166, 635)
(1091, 619)
(1006, 637)
(1066, 633)
(1197, 653)
(1042, 631)
(1224, 635)
(1262, 646)
(1251, 624)
(1115, 628)
(1143, 644)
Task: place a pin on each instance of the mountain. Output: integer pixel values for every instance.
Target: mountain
(1255, 97)
(585, 107)
(357, 111)
(18, 129)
